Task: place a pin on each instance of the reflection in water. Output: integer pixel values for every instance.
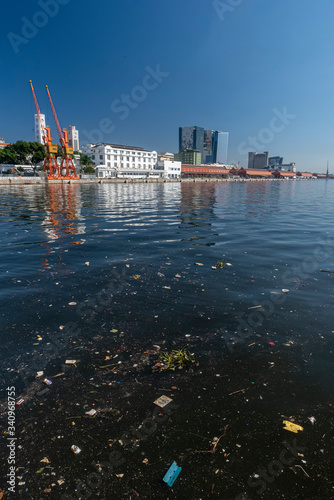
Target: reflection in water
(62, 216)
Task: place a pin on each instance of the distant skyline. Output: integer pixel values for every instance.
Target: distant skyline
(130, 72)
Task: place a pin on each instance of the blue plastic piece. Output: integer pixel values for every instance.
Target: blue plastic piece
(172, 474)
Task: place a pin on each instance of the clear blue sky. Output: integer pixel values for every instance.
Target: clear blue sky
(227, 72)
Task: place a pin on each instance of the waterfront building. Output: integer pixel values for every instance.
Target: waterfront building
(284, 167)
(73, 138)
(166, 157)
(275, 160)
(128, 161)
(189, 157)
(3, 144)
(191, 138)
(258, 160)
(215, 146)
(169, 169)
(207, 156)
(38, 129)
(219, 147)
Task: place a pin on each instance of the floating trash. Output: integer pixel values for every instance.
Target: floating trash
(172, 474)
(290, 426)
(75, 449)
(162, 401)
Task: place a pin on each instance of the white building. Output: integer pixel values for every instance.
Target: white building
(285, 167)
(103, 172)
(38, 130)
(169, 169)
(128, 161)
(73, 138)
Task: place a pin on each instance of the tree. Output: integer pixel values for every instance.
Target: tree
(86, 160)
(89, 170)
(276, 174)
(22, 153)
(7, 156)
(38, 153)
(298, 174)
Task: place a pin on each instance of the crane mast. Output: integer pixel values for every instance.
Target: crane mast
(50, 163)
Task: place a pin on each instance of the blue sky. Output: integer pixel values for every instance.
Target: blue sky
(229, 68)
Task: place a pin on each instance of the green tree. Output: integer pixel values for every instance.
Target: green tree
(22, 153)
(89, 170)
(38, 153)
(86, 160)
(7, 156)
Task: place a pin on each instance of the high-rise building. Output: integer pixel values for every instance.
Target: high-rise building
(189, 157)
(38, 130)
(208, 135)
(258, 160)
(219, 147)
(192, 138)
(73, 138)
(275, 160)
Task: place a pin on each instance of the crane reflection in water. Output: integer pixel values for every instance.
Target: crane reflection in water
(63, 222)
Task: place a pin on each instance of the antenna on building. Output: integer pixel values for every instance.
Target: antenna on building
(327, 173)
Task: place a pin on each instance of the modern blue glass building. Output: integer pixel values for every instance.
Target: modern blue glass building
(192, 138)
(219, 147)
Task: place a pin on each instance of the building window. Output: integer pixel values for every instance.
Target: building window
(108, 157)
(115, 163)
(133, 153)
(109, 165)
(101, 157)
(121, 157)
(115, 151)
(128, 165)
(93, 157)
(128, 158)
(122, 165)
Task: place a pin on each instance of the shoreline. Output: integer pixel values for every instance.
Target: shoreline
(21, 181)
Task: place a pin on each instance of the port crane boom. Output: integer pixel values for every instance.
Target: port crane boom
(50, 163)
(67, 161)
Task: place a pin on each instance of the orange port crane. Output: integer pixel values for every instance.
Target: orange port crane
(67, 162)
(50, 164)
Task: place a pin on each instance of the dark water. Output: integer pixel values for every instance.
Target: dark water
(141, 242)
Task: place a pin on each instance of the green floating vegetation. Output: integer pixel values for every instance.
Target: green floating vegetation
(221, 263)
(175, 359)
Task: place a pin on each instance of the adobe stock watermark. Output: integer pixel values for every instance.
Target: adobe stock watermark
(278, 123)
(31, 27)
(262, 311)
(226, 6)
(122, 107)
(267, 475)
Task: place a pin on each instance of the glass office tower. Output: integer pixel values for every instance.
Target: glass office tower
(220, 147)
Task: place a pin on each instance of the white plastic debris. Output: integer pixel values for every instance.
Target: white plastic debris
(76, 449)
(90, 412)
